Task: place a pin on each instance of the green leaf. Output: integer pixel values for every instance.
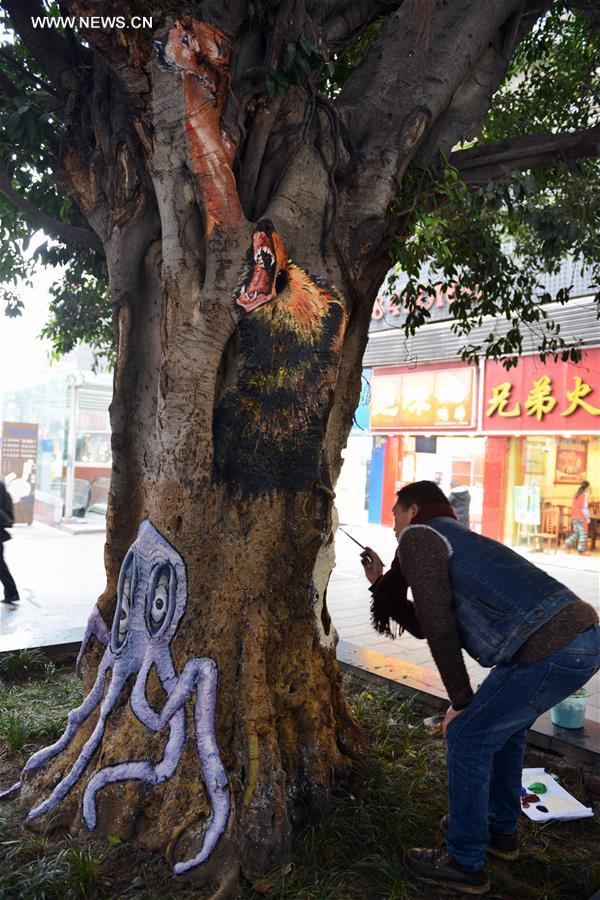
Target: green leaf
(271, 83)
(304, 65)
(290, 55)
(14, 123)
(309, 48)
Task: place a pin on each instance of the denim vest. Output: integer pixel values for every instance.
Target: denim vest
(499, 598)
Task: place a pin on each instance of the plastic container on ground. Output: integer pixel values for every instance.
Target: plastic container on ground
(570, 712)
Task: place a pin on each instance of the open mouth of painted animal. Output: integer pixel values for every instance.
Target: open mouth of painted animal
(261, 286)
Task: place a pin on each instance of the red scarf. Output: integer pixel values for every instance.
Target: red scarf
(389, 592)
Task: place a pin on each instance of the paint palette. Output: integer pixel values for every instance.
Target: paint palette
(554, 802)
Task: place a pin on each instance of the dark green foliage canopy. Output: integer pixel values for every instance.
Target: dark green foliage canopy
(497, 241)
(493, 237)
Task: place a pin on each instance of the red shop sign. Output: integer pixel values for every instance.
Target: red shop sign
(537, 396)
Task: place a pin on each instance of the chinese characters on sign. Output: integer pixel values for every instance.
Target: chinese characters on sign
(560, 396)
(539, 400)
(500, 399)
(442, 398)
(576, 396)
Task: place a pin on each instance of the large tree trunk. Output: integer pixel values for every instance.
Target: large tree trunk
(239, 350)
(254, 606)
(250, 515)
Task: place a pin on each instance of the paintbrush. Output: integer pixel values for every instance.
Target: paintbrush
(351, 538)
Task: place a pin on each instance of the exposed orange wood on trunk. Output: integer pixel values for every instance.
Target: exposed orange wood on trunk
(201, 53)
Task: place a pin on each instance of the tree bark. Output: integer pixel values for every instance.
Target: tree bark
(255, 554)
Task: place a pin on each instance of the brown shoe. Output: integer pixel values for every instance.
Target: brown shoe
(437, 867)
(502, 846)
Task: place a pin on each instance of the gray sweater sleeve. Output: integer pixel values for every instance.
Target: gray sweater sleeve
(423, 557)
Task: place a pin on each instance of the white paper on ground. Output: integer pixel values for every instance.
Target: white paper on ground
(559, 803)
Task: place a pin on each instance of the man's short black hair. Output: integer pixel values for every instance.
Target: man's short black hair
(420, 492)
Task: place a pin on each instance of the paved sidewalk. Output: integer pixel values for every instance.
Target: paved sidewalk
(348, 600)
(60, 576)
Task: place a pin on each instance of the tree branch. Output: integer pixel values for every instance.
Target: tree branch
(489, 162)
(343, 21)
(468, 109)
(22, 71)
(7, 88)
(589, 9)
(55, 54)
(69, 233)
(397, 95)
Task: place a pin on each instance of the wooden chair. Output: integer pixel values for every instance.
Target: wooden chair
(548, 533)
(564, 523)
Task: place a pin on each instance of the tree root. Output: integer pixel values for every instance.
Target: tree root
(265, 884)
(229, 886)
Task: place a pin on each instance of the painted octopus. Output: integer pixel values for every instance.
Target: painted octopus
(151, 602)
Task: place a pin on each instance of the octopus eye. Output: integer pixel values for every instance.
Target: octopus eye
(124, 613)
(158, 609)
(160, 600)
(125, 592)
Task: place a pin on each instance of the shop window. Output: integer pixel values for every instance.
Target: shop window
(462, 471)
(426, 444)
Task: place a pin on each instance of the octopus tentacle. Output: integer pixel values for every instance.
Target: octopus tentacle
(140, 771)
(89, 748)
(75, 718)
(215, 777)
(10, 791)
(96, 627)
(139, 703)
(201, 675)
(193, 671)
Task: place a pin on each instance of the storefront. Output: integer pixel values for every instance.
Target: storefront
(72, 464)
(519, 440)
(412, 424)
(425, 422)
(541, 422)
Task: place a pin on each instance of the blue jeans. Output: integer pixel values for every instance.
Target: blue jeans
(486, 744)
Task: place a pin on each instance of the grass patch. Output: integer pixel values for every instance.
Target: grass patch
(13, 729)
(36, 710)
(20, 664)
(34, 869)
(352, 850)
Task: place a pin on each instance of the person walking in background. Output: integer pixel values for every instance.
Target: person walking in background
(580, 519)
(460, 501)
(540, 640)
(11, 594)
